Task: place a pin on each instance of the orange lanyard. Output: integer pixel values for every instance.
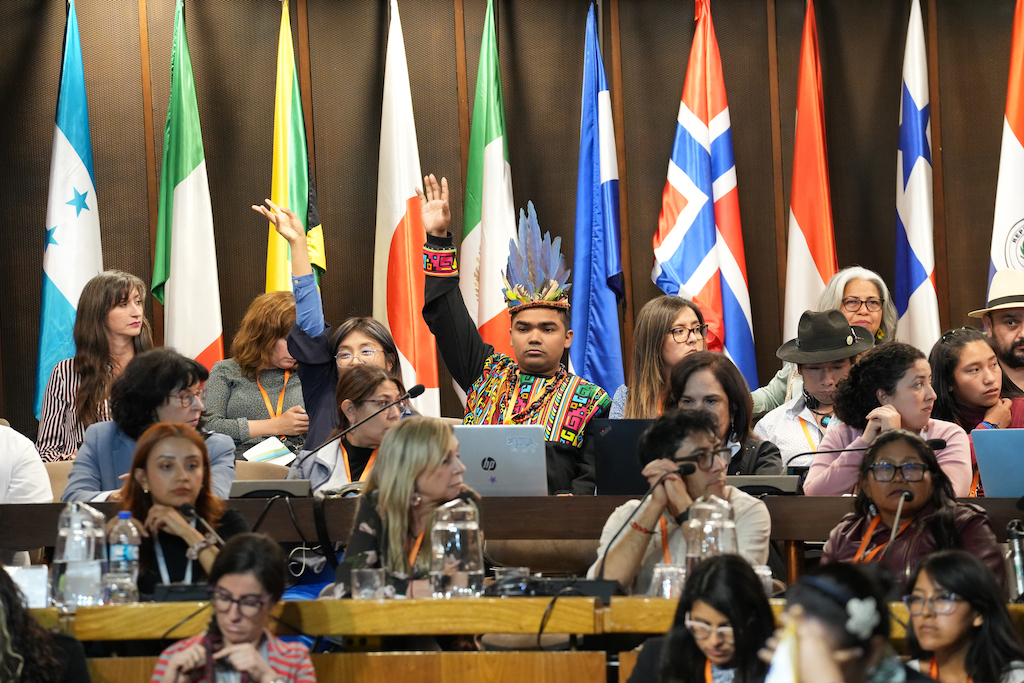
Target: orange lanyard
(708, 678)
(415, 548)
(975, 482)
(665, 552)
(280, 399)
(859, 557)
(807, 434)
(934, 671)
(366, 470)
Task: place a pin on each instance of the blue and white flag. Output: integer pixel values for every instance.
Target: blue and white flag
(72, 254)
(596, 353)
(916, 302)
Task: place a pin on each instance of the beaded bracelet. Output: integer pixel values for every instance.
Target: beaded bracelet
(641, 529)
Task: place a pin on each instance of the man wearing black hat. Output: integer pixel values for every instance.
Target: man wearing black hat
(824, 350)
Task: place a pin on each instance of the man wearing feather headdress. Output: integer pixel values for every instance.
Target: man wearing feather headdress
(534, 387)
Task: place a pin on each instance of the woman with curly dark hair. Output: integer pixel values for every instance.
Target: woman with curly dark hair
(157, 386)
(889, 387)
(28, 652)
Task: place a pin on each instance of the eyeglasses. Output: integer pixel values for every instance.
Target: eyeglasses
(701, 631)
(380, 403)
(187, 398)
(940, 603)
(952, 333)
(363, 356)
(705, 460)
(248, 605)
(681, 335)
(885, 471)
(853, 304)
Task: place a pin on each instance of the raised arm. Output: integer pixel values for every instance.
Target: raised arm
(289, 226)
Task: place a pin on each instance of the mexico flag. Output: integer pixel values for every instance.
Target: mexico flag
(185, 265)
(489, 213)
(397, 266)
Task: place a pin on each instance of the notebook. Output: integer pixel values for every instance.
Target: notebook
(998, 452)
(504, 460)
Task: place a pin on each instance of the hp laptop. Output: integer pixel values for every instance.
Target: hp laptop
(504, 460)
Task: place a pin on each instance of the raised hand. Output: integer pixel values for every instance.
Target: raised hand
(286, 222)
(434, 206)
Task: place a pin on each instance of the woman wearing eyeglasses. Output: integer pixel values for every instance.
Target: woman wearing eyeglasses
(246, 581)
(156, 386)
(322, 356)
(362, 391)
(652, 533)
(668, 328)
(899, 464)
(722, 620)
(960, 629)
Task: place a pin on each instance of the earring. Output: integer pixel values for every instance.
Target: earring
(416, 499)
(145, 490)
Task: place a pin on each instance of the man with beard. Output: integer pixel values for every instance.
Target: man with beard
(1003, 317)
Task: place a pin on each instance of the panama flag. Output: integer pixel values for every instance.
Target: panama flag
(291, 184)
(185, 265)
(1008, 226)
(811, 254)
(489, 213)
(915, 298)
(698, 248)
(397, 264)
(596, 354)
(71, 253)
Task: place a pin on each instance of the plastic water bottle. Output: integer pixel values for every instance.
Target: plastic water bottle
(119, 583)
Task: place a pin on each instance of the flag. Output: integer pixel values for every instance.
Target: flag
(291, 184)
(1007, 237)
(71, 252)
(185, 265)
(915, 298)
(698, 248)
(489, 214)
(397, 265)
(811, 254)
(596, 353)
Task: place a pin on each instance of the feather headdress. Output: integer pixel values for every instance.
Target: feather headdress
(536, 275)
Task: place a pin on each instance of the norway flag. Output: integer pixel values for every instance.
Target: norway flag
(698, 249)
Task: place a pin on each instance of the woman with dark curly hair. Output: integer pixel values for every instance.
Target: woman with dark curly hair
(889, 388)
(900, 465)
(157, 386)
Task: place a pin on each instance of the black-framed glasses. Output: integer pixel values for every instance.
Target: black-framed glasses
(248, 605)
(952, 333)
(940, 603)
(702, 631)
(364, 356)
(681, 335)
(853, 304)
(705, 460)
(910, 471)
(187, 398)
(380, 403)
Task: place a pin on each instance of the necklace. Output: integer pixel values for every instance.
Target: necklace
(825, 417)
(525, 415)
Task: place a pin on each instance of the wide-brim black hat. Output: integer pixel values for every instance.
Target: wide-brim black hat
(824, 337)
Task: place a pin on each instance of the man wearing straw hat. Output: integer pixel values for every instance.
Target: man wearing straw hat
(1003, 317)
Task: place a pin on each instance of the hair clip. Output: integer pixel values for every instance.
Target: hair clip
(864, 617)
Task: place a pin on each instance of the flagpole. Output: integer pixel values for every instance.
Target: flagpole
(938, 192)
(152, 191)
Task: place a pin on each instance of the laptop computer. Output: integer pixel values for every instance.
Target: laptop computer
(504, 460)
(999, 452)
(616, 462)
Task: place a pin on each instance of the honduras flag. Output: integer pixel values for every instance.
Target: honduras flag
(596, 354)
(71, 254)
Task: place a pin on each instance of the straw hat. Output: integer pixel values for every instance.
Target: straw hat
(1006, 291)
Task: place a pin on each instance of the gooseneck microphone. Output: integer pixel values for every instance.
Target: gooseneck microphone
(189, 511)
(413, 392)
(934, 444)
(906, 496)
(685, 468)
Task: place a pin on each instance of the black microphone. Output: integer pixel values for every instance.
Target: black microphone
(189, 510)
(684, 469)
(934, 444)
(413, 392)
(905, 497)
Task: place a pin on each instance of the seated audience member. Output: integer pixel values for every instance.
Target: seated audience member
(899, 464)
(968, 381)
(1003, 317)
(362, 391)
(110, 328)
(654, 534)
(960, 629)
(322, 356)
(710, 381)
(256, 393)
(246, 580)
(30, 652)
(533, 387)
(157, 386)
(418, 470)
(841, 617)
(888, 388)
(860, 295)
(23, 479)
(667, 329)
(171, 467)
(823, 352)
(722, 620)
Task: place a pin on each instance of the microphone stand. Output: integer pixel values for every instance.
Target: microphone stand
(905, 496)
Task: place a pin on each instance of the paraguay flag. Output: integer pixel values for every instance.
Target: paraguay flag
(71, 253)
(698, 248)
(596, 353)
(1008, 225)
(916, 301)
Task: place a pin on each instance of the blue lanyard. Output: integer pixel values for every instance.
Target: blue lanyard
(162, 563)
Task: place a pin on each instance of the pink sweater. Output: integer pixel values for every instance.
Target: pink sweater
(835, 474)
